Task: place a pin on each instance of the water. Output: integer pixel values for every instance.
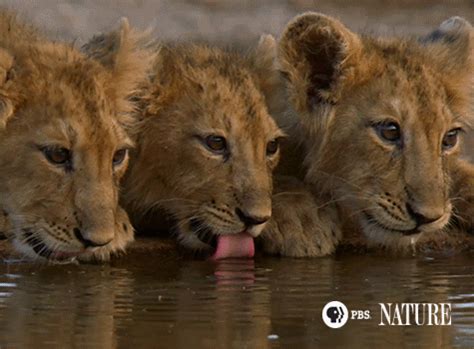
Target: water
(169, 302)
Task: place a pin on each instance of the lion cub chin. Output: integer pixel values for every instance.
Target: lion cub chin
(206, 147)
(377, 124)
(64, 146)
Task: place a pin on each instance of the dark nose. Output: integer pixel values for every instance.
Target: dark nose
(419, 218)
(249, 219)
(87, 242)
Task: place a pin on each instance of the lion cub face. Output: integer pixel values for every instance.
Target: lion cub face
(63, 149)
(207, 146)
(387, 115)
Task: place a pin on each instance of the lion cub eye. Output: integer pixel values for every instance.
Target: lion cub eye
(450, 139)
(216, 144)
(119, 157)
(272, 147)
(56, 155)
(389, 131)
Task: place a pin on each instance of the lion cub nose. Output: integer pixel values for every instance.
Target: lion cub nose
(250, 219)
(423, 218)
(88, 242)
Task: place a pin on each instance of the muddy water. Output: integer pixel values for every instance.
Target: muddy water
(266, 303)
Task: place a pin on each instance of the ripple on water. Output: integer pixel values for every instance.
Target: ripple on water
(233, 303)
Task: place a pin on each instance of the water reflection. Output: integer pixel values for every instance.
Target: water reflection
(267, 303)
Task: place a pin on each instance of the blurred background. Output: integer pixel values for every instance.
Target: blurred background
(241, 20)
(235, 21)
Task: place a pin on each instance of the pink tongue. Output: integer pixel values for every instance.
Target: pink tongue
(234, 246)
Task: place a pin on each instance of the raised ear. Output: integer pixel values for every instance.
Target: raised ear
(129, 55)
(6, 105)
(316, 54)
(268, 79)
(452, 46)
(265, 58)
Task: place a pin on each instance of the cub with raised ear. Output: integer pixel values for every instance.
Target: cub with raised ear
(206, 147)
(63, 142)
(379, 121)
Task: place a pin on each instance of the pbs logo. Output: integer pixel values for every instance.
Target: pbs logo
(335, 314)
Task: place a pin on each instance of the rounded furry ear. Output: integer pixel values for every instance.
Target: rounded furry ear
(451, 49)
(264, 63)
(316, 53)
(452, 45)
(264, 66)
(266, 52)
(128, 53)
(6, 106)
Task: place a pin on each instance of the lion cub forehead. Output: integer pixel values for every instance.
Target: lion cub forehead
(234, 107)
(71, 127)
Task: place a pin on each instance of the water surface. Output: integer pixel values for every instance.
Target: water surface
(169, 302)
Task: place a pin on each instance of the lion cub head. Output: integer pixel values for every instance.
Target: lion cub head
(63, 143)
(207, 146)
(381, 120)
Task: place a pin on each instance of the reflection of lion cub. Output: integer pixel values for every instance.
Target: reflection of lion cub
(380, 122)
(63, 143)
(206, 147)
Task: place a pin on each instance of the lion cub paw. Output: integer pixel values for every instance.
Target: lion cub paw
(463, 196)
(464, 215)
(299, 226)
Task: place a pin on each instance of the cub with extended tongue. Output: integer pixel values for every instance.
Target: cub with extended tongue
(206, 147)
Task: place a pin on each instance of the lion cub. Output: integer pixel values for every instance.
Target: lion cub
(64, 143)
(206, 147)
(380, 123)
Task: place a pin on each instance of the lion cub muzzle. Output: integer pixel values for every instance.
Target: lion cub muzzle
(430, 218)
(91, 242)
(253, 220)
(407, 216)
(254, 209)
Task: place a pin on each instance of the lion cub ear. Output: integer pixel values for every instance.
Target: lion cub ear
(127, 53)
(317, 53)
(452, 45)
(264, 65)
(451, 49)
(265, 61)
(6, 106)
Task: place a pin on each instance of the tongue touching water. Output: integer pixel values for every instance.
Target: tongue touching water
(234, 245)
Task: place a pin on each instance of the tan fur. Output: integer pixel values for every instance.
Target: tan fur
(51, 96)
(342, 86)
(197, 91)
(300, 226)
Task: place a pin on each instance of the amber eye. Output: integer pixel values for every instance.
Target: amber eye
(272, 147)
(57, 155)
(119, 157)
(389, 131)
(216, 144)
(451, 138)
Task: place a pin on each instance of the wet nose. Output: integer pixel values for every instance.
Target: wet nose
(250, 219)
(88, 242)
(422, 219)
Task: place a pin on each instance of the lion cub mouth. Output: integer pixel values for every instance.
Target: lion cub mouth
(240, 245)
(370, 219)
(42, 249)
